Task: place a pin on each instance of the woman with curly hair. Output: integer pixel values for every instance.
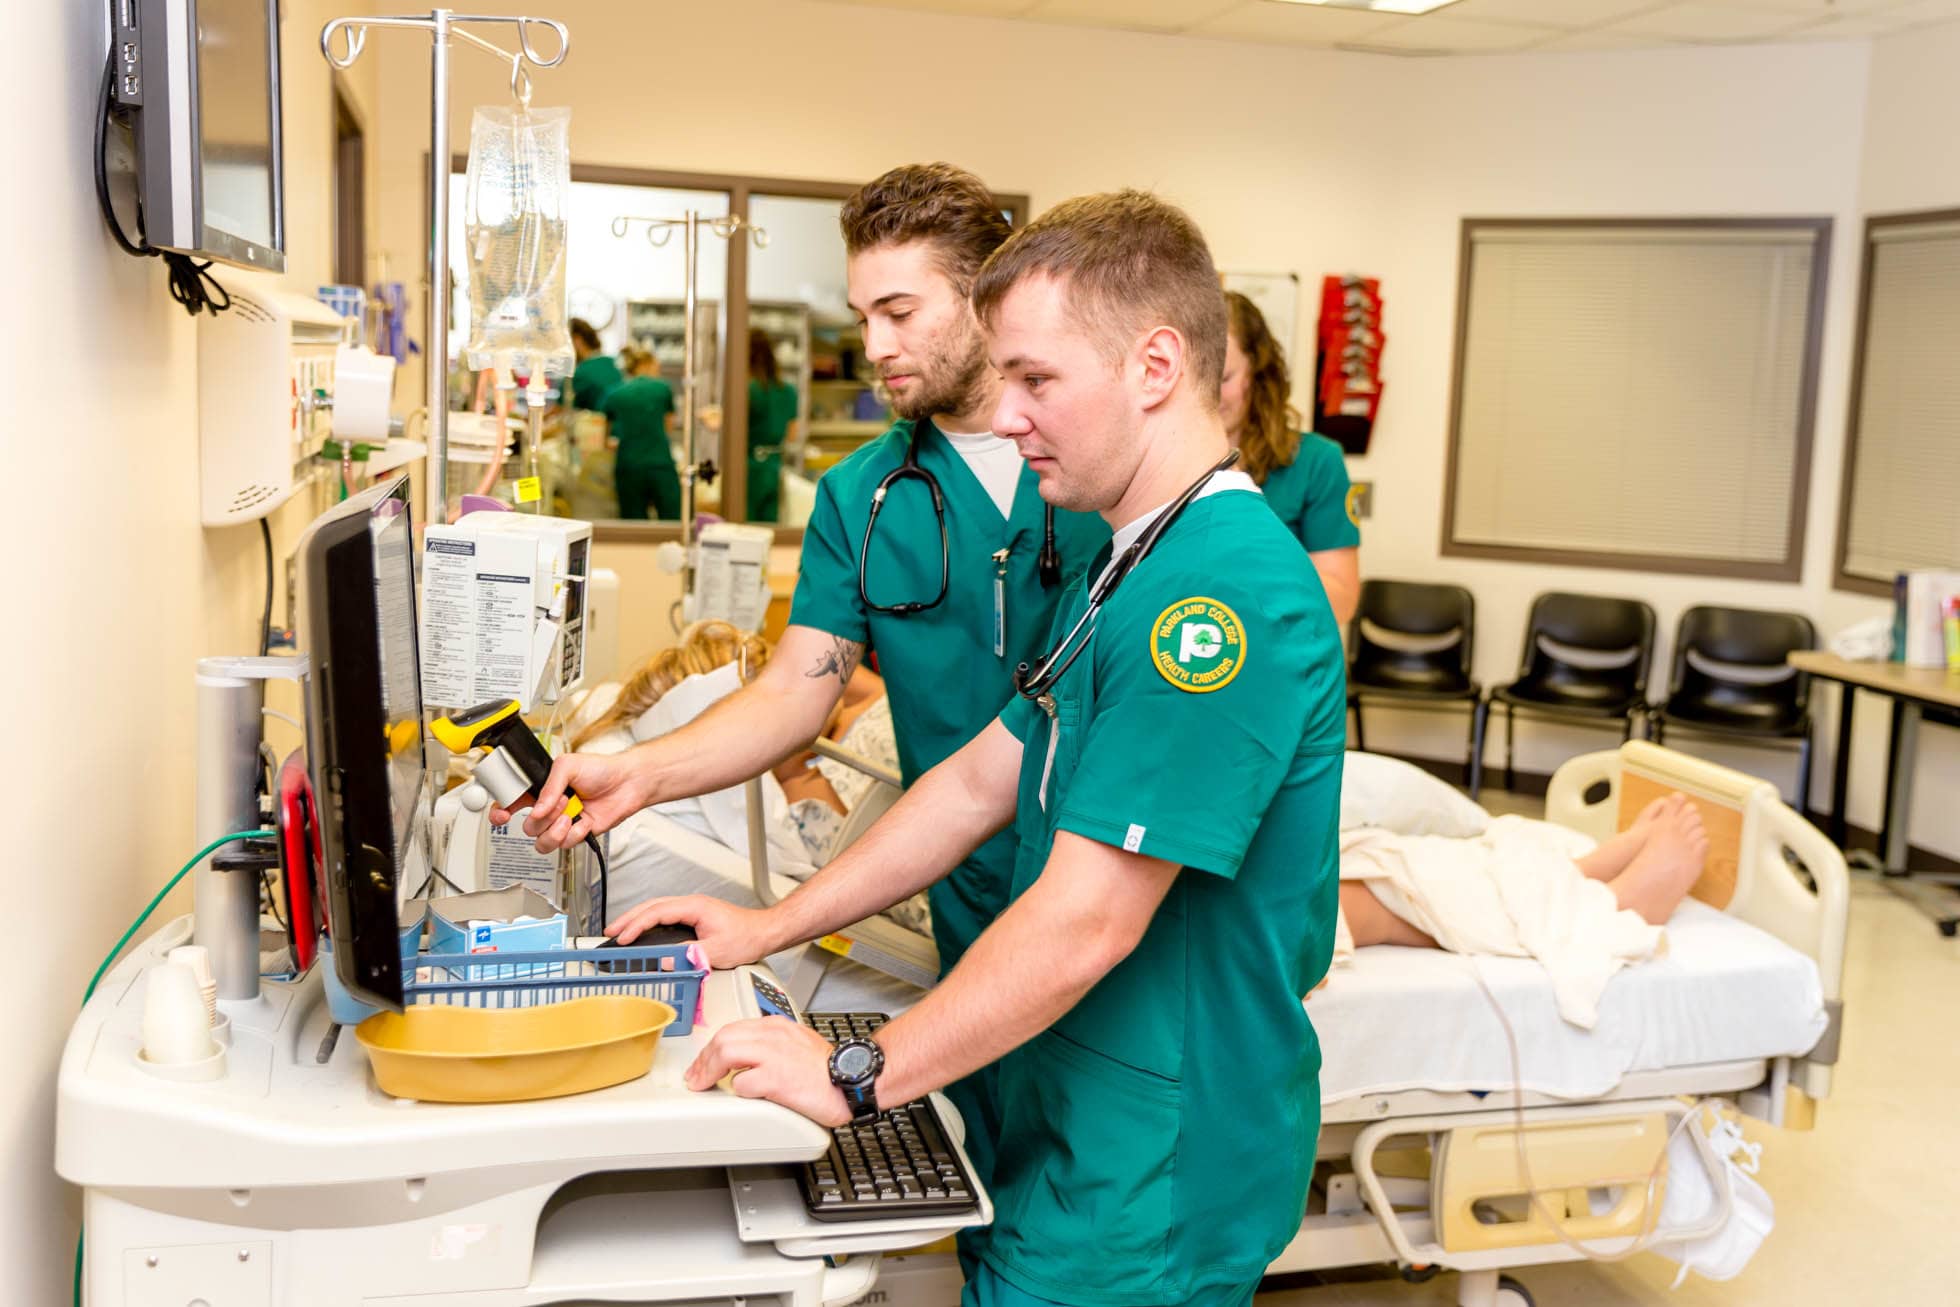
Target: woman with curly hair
(1304, 475)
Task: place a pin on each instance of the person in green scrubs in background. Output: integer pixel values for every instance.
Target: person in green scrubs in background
(596, 373)
(640, 418)
(772, 422)
(1304, 475)
(1175, 790)
(915, 237)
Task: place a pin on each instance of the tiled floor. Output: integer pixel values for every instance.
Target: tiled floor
(1864, 1203)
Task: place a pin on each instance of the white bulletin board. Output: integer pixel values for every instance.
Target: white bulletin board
(1278, 296)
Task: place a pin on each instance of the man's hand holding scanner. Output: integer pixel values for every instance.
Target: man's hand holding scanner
(608, 792)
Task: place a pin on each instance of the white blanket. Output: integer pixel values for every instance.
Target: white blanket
(1725, 992)
(1514, 891)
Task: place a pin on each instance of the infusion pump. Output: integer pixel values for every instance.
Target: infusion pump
(504, 609)
(730, 578)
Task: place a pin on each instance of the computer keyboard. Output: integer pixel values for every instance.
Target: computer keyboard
(903, 1164)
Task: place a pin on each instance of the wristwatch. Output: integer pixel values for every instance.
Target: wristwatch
(854, 1068)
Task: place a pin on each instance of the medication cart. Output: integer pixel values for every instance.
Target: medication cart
(293, 1181)
(271, 1170)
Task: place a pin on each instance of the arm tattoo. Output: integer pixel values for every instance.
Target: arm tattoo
(840, 659)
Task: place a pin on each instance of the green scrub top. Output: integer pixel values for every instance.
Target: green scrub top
(1312, 496)
(593, 379)
(771, 410)
(944, 679)
(637, 413)
(1157, 1141)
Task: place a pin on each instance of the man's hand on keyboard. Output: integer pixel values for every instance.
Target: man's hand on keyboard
(782, 1061)
(730, 936)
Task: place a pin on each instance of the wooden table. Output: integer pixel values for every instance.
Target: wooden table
(1912, 690)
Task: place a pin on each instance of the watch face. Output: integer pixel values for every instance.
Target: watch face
(852, 1062)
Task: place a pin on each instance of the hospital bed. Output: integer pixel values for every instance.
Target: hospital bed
(1419, 1149)
(879, 943)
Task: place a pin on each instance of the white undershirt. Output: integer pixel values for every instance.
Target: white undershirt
(994, 462)
(1219, 482)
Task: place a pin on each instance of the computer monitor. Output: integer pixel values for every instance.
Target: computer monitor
(366, 746)
(200, 80)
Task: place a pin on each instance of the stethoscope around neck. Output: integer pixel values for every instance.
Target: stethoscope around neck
(1048, 563)
(1034, 682)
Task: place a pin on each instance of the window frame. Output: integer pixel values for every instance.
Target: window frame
(1790, 566)
(1841, 579)
(730, 460)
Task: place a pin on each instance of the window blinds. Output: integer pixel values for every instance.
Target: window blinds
(1903, 473)
(1635, 391)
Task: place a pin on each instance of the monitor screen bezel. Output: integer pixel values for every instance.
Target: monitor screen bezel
(215, 241)
(347, 749)
(169, 136)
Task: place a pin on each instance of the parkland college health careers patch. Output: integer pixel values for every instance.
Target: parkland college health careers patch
(1198, 645)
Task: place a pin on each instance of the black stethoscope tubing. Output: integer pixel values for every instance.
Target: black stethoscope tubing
(1049, 563)
(1034, 683)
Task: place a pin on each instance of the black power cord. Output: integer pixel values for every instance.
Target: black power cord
(605, 911)
(191, 283)
(265, 622)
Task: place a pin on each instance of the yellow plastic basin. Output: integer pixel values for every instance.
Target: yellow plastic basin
(446, 1054)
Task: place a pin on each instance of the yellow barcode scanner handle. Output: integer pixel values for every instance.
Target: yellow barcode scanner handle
(496, 728)
(466, 730)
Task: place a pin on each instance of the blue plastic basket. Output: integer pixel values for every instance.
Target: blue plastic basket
(500, 980)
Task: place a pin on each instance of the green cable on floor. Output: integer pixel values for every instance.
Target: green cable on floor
(135, 926)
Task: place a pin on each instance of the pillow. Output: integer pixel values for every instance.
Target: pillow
(1401, 797)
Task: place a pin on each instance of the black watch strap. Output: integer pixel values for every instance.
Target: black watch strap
(863, 1101)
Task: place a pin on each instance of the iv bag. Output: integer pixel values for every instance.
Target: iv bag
(514, 205)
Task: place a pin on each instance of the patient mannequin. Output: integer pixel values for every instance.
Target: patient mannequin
(802, 775)
(1650, 867)
(710, 660)
(702, 648)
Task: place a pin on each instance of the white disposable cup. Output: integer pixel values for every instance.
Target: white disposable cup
(198, 959)
(363, 384)
(175, 1027)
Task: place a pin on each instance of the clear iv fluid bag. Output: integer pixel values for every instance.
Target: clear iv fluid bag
(514, 206)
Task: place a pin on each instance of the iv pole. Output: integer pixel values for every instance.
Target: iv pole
(659, 232)
(441, 25)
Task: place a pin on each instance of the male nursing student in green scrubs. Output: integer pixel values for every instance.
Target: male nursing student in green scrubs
(915, 237)
(1304, 475)
(1175, 792)
(596, 373)
(639, 418)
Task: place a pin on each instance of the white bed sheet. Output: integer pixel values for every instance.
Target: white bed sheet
(1404, 1018)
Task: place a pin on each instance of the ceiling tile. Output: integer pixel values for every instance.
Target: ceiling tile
(1144, 15)
(1455, 36)
(1292, 24)
(1550, 13)
(1913, 12)
(1817, 8)
(971, 8)
(1475, 26)
(1846, 29)
(1713, 22)
(1583, 41)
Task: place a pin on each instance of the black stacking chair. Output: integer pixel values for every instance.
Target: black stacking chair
(1585, 661)
(1411, 644)
(1730, 678)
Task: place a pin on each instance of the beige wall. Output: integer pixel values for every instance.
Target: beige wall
(123, 589)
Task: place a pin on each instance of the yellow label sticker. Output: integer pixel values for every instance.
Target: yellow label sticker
(1198, 645)
(1354, 503)
(529, 490)
(836, 944)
